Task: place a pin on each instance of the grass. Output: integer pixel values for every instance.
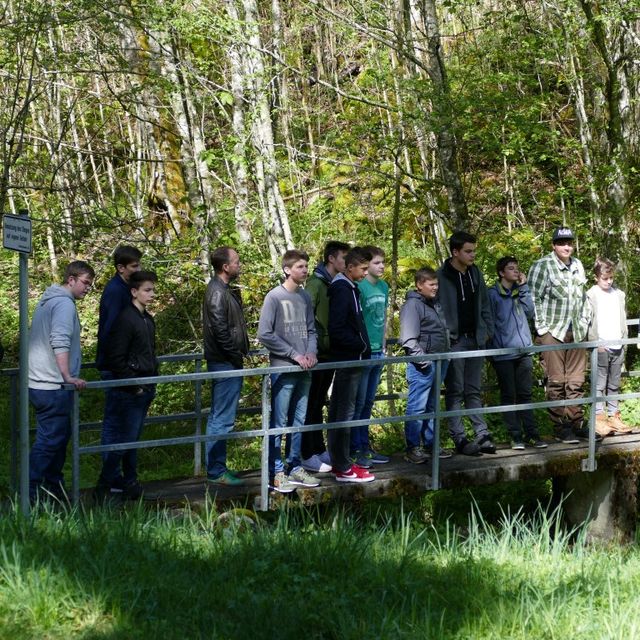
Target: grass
(331, 574)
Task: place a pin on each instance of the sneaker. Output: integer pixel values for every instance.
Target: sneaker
(360, 458)
(486, 445)
(354, 474)
(583, 434)
(416, 455)
(316, 465)
(443, 454)
(517, 445)
(566, 436)
(536, 442)
(377, 458)
(325, 457)
(299, 476)
(281, 483)
(132, 491)
(467, 448)
(227, 479)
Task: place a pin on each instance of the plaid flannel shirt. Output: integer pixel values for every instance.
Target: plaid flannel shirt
(559, 297)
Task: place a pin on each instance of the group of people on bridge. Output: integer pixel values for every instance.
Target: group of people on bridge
(339, 313)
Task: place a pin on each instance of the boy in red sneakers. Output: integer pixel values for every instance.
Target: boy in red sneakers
(348, 340)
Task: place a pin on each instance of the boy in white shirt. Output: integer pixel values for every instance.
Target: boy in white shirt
(608, 322)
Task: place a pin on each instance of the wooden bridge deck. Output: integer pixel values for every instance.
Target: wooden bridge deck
(400, 478)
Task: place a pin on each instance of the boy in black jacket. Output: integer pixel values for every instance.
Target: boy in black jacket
(131, 353)
(348, 340)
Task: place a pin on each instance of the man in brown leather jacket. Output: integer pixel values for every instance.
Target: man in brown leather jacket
(225, 344)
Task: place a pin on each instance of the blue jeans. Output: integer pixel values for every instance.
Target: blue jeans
(423, 396)
(289, 395)
(225, 394)
(364, 404)
(125, 425)
(48, 453)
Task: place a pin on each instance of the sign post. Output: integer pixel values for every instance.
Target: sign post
(16, 236)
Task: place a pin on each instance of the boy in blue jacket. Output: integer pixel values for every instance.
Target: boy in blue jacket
(512, 308)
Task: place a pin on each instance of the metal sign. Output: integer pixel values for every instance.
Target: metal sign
(16, 233)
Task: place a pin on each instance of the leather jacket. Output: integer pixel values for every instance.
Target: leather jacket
(225, 329)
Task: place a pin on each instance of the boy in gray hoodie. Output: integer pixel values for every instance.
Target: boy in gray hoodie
(54, 359)
(423, 330)
(287, 329)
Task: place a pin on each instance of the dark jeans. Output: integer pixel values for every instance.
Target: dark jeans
(364, 404)
(313, 441)
(341, 409)
(515, 379)
(225, 394)
(125, 425)
(463, 386)
(48, 453)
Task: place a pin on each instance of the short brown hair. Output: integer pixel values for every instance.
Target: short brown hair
(357, 256)
(292, 256)
(78, 268)
(425, 273)
(374, 251)
(137, 278)
(219, 257)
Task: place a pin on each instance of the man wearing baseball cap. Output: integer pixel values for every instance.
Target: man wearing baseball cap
(557, 284)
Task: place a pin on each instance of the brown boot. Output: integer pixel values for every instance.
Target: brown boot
(618, 426)
(603, 427)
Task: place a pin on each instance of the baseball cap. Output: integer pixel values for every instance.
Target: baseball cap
(562, 233)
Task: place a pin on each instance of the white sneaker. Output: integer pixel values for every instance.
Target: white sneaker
(315, 464)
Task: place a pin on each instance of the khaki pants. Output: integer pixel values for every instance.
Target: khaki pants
(564, 371)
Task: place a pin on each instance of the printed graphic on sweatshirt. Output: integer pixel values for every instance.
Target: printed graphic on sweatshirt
(294, 319)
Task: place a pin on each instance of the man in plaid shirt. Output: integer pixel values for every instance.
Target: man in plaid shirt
(557, 284)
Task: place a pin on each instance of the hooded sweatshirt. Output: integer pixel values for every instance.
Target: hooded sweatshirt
(347, 330)
(512, 310)
(423, 327)
(55, 329)
(317, 287)
(452, 285)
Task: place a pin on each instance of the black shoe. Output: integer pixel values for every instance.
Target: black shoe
(486, 445)
(536, 442)
(443, 454)
(132, 491)
(583, 434)
(467, 448)
(567, 436)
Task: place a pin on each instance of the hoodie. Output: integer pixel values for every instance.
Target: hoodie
(451, 280)
(347, 332)
(55, 328)
(512, 310)
(317, 287)
(423, 327)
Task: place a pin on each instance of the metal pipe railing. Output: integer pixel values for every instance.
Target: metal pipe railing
(198, 377)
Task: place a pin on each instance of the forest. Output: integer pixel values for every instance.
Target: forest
(266, 125)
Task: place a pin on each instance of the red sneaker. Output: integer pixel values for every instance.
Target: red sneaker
(354, 474)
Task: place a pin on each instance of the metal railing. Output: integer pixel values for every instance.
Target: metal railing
(198, 378)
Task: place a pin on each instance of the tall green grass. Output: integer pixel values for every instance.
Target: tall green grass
(309, 574)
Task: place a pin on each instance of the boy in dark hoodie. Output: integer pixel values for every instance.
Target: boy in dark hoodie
(464, 299)
(131, 353)
(349, 341)
(423, 330)
(512, 309)
(315, 457)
